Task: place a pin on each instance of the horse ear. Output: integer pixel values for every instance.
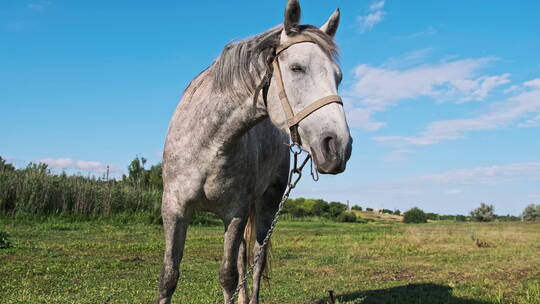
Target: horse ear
(292, 16)
(331, 26)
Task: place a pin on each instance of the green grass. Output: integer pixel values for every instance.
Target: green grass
(112, 261)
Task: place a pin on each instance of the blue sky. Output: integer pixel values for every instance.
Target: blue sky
(443, 97)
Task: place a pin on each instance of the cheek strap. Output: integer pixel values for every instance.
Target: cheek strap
(294, 119)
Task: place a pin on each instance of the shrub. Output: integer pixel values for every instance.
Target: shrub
(414, 215)
(369, 209)
(357, 208)
(397, 212)
(484, 213)
(387, 211)
(320, 207)
(4, 240)
(461, 218)
(347, 217)
(531, 213)
(433, 216)
(336, 209)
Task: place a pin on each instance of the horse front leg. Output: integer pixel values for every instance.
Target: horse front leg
(176, 218)
(228, 273)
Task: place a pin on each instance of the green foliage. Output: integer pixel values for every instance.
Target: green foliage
(4, 166)
(346, 217)
(397, 212)
(387, 211)
(433, 216)
(336, 208)
(415, 215)
(306, 207)
(4, 240)
(531, 213)
(320, 208)
(369, 209)
(357, 208)
(34, 190)
(461, 218)
(484, 213)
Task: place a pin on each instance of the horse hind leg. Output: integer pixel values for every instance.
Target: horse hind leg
(175, 224)
(229, 271)
(243, 297)
(266, 209)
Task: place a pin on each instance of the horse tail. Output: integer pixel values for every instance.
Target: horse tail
(250, 235)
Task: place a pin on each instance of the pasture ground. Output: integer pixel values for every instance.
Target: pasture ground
(118, 261)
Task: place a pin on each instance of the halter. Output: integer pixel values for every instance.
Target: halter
(293, 120)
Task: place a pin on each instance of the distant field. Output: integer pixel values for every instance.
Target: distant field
(107, 262)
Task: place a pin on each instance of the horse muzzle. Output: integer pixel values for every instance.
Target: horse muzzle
(331, 154)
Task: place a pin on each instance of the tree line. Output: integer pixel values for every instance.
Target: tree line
(36, 190)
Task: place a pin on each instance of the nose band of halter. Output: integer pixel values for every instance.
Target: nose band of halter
(292, 119)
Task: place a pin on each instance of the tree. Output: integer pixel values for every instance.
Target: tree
(531, 213)
(356, 207)
(155, 179)
(397, 212)
(484, 213)
(320, 207)
(4, 166)
(136, 172)
(336, 209)
(414, 215)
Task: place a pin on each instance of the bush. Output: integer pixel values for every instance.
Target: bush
(357, 208)
(387, 211)
(461, 218)
(397, 212)
(484, 213)
(369, 209)
(414, 215)
(346, 217)
(336, 209)
(4, 240)
(320, 208)
(531, 213)
(433, 216)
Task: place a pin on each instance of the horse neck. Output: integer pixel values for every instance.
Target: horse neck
(220, 118)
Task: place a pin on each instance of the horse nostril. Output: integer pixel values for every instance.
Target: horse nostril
(329, 147)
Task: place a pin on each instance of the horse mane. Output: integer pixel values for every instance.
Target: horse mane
(241, 64)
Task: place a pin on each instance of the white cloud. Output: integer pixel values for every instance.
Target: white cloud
(374, 89)
(532, 122)
(378, 5)
(361, 118)
(427, 32)
(499, 115)
(71, 164)
(375, 15)
(39, 5)
(484, 175)
(381, 87)
(397, 155)
(58, 163)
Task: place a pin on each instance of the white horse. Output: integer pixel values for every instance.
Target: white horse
(225, 150)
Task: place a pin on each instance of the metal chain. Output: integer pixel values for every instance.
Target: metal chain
(294, 177)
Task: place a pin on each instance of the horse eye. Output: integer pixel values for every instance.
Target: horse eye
(296, 68)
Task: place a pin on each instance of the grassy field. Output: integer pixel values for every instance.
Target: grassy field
(57, 261)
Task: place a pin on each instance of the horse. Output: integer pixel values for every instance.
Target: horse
(225, 150)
